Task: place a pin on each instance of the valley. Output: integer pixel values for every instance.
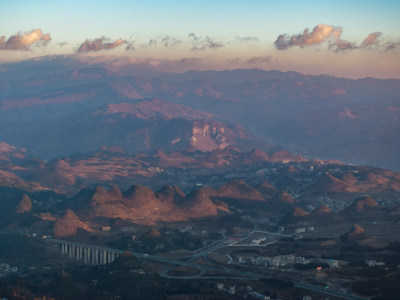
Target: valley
(242, 183)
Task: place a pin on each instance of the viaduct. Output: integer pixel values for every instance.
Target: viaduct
(90, 254)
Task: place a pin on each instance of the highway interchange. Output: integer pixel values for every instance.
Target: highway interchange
(230, 273)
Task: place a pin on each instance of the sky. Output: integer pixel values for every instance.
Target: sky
(342, 38)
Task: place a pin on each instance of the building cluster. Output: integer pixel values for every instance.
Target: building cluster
(276, 261)
(186, 229)
(374, 263)
(333, 204)
(155, 169)
(248, 290)
(231, 290)
(303, 229)
(6, 269)
(389, 202)
(259, 240)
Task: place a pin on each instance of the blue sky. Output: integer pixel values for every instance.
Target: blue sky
(70, 23)
(73, 20)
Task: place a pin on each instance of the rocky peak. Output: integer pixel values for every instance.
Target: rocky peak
(68, 225)
(25, 205)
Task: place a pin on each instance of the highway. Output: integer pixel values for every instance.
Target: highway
(231, 273)
(315, 288)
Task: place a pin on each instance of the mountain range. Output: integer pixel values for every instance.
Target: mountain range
(355, 121)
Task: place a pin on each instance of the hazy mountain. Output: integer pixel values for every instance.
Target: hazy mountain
(144, 126)
(322, 116)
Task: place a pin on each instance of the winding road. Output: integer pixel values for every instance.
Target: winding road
(231, 273)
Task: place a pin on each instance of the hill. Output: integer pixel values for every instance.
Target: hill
(238, 190)
(141, 205)
(294, 216)
(68, 225)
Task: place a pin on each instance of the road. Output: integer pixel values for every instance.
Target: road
(315, 288)
(231, 273)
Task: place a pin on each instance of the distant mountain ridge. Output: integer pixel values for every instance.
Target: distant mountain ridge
(320, 116)
(147, 125)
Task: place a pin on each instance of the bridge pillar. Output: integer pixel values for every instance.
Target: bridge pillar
(87, 255)
(96, 256)
(104, 257)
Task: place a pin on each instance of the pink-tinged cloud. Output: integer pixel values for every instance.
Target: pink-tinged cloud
(326, 33)
(318, 35)
(99, 44)
(25, 41)
(372, 40)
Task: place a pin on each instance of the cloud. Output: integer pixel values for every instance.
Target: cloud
(234, 61)
(372, 40)
(25, 41)
(318, 35)
(165, 41)
(99, 44)
(201, 44)
(332, 34)
(146, 65)
(246, 39)
(342, 45)
(389, 46)
(259, 60)
(130, 46)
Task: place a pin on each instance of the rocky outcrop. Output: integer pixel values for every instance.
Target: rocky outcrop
(283, 197)
(68, 225)
(293, 216)
(239, 190)
(267, 190)
(329, 184)
(362, 206)
(25, 205)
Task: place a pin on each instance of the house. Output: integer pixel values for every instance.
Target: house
(105, 228)
(300, 230)
(232, 290)
(333, 263)
(301, 260)
(260, 240)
